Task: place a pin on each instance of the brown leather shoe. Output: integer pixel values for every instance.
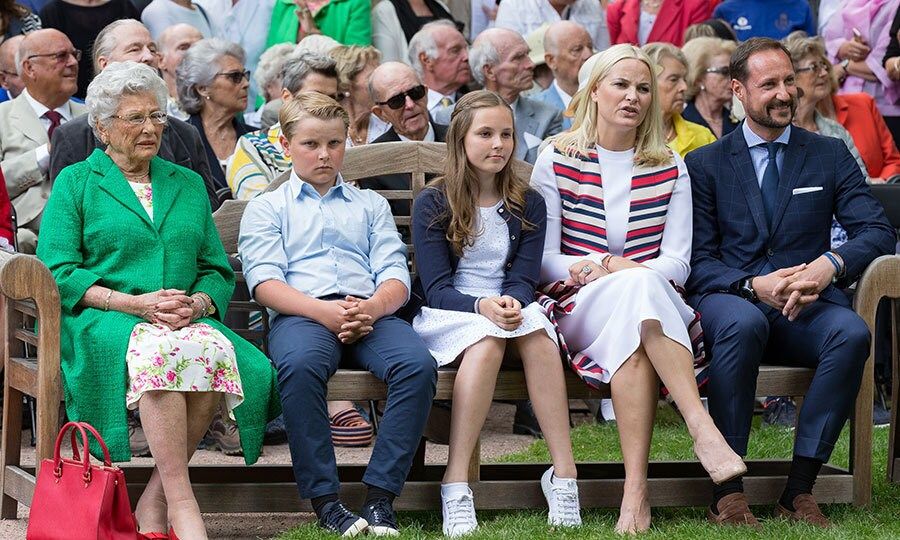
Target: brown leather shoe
(806, 510)
(733, 510)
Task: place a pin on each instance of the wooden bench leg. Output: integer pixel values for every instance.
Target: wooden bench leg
(475, 463)
(11, 446)
(861, 435)
(894, 436)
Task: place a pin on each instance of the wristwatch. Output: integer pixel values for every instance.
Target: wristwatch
(745, 289)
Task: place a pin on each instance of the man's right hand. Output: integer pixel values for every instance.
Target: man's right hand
(785, 290)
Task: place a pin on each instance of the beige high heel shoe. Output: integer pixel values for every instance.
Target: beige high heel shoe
(719, 470)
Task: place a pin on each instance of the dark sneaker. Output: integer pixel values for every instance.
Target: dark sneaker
(337, 519)
(381, 518)
(275, 432)
(136, 438)
(223, 435)
(780, 411)
(525, 423)
(881, 417)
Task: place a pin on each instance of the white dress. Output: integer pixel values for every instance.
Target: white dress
(605, 323)
(480, 272)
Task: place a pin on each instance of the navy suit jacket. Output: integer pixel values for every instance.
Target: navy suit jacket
(732, 240)
(436, 262)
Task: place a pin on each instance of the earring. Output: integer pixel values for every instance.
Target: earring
(702, 89)
(207, 97)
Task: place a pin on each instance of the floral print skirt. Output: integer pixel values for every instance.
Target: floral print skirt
(196, 358)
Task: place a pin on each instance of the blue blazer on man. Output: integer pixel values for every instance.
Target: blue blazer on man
(819, 178)
(436, 262)
(551, 96)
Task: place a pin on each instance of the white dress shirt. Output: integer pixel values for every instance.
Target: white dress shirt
(429, 135)
(42, 152)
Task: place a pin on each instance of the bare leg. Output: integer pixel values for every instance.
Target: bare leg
(675, 366)
(161, 413)
(547, 390)
(635, 389)
(473, 392)
(151, 511)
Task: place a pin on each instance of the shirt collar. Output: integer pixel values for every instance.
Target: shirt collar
(39, 108)
(435, 97)
(753, 139)
(302, 189)
(429, 135)
(566, 98)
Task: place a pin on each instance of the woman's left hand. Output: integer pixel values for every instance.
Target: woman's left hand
(305, 18)
(584, 272)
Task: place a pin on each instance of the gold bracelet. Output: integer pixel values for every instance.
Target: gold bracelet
(108, 296)
(604, 262)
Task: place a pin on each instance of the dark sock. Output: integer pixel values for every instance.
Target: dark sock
(800, 480)
(735, 485)
(318, 503)
(376, 493)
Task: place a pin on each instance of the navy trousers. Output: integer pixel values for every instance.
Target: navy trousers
(306, 355)
(740, 335)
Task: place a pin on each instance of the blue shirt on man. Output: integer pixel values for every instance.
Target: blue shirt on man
(342, 243)
(758, 152)
(766, 18)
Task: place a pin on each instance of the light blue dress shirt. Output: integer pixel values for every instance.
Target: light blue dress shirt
(758, 152)
(342, 243)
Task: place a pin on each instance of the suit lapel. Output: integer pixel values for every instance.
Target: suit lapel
(794, 156)
(114, 183)
(524, 124)
(746, 175)
(670, 15)
(165, 189)
(24, 117)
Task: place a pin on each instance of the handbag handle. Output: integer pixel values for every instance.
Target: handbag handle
(83, 428)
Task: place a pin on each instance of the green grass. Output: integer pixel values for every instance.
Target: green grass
(671, 442)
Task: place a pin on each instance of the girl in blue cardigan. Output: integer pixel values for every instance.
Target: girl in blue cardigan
(479, 236)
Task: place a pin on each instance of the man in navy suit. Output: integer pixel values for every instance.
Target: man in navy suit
(763, 277)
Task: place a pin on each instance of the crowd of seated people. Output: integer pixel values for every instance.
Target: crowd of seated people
(685, 168)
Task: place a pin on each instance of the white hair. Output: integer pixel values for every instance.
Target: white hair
(482, 53)
(199, 67)
(423, 42)
(117, 80)
(271, 62)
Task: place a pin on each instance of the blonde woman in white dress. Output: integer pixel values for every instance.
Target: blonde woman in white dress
(618, 232)
(479, 234)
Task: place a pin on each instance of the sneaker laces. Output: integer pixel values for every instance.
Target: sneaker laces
(336, 514)
(460, 510)
(382, 513)
(566, 501)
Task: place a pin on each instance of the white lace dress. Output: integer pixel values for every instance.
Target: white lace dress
(480, 272)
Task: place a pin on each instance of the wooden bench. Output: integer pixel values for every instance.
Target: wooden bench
(28, 293)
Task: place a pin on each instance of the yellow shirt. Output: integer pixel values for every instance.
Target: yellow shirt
(689, 136)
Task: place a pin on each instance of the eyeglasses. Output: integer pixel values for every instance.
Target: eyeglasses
(159, 118)
(815, 67)
(58, 57)
(8, 73)
(724, 71)
(396, 102)
(235, 76)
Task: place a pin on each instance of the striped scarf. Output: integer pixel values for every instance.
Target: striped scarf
(580, 186)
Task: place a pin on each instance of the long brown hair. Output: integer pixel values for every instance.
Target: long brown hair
(460, 183)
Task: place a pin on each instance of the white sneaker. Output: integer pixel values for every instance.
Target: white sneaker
(562, 499)
(459, 514)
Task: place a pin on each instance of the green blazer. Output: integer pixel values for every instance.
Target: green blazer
(95, 231)
(349, 22)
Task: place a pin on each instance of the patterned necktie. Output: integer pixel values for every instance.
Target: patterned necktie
(442, 111)
(770, 179)
(55, 120)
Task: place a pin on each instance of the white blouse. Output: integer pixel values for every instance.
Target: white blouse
(674, 257)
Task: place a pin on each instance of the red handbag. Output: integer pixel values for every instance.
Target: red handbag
(76, 500)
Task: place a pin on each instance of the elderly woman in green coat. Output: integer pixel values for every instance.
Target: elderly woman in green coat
(143, 282)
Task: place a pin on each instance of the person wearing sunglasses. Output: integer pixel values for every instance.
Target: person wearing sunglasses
(49, 70)
(709, 84)
(401, 100)
(213, 87)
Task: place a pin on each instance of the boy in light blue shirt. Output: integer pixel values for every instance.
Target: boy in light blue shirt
(326, 259)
